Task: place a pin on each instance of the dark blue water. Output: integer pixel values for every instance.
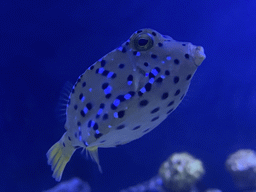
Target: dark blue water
(43, 44)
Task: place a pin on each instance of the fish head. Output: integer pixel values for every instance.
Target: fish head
(163, 51)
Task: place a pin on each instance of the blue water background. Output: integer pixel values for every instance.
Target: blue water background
(44, 44)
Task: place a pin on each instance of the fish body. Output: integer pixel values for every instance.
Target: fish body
(125, 94)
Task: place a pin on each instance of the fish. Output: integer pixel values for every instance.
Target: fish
(125, 95)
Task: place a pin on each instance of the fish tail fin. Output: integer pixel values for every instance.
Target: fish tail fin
(59, 155)
(93, 151)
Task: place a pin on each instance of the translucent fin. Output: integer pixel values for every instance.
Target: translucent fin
(58, 156)
(93, 151)
(60, 109)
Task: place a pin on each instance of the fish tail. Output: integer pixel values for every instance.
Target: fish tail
(59, 155)
(93, 151)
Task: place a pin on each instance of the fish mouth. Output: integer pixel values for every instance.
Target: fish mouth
(197, 52)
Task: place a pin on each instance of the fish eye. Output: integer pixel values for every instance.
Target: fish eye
(143, 42)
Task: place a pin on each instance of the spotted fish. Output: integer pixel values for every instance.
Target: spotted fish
(125, 94)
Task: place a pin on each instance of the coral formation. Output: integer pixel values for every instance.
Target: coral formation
(72, 185)
(213, 190)
(155, 184)
(242, 167)
(181, 171)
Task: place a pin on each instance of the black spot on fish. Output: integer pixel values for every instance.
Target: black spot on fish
(63, 144)
(102, 105)
(121, 66)
(165, 95)
(105, 116)
(82, 113)
(104, 85)
(146, 130)
(78, 123)
(81, 96)
(143, 103)
(75, 107)
(98, 135)
(121, 98)
(105, 72)
(155, 118)
(134, 52)
(177, 92)
(153, 33)
(148, 87)
(137, 127)
(176, 61)
(176, 79)
(113, 76)
(124, 50)
(151, 75)
(120, 127)
(169, 111)
(146, 64)
(121, 114)
(69, 138)
(95, 126)
(113, 107)
(167, 72)
(92, 67)
(130, 78)
(170, 104)
(89, 123)
(155, 110)
(187, 56)
(89, 106)
(108, 96)
(153, 56)
(159, 80)
(188, 77)
(157, 69)
(160, 44)
(132, 93)
(103, 63)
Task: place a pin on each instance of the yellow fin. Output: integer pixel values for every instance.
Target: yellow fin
(93, 151)
(58, 156)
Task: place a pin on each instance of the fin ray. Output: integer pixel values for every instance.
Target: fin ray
(60, 109)
(93, 151)
(58, 157)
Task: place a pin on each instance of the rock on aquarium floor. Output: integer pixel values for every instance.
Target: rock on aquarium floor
(182, 172)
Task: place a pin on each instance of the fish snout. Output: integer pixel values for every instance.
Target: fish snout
(197, 52)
